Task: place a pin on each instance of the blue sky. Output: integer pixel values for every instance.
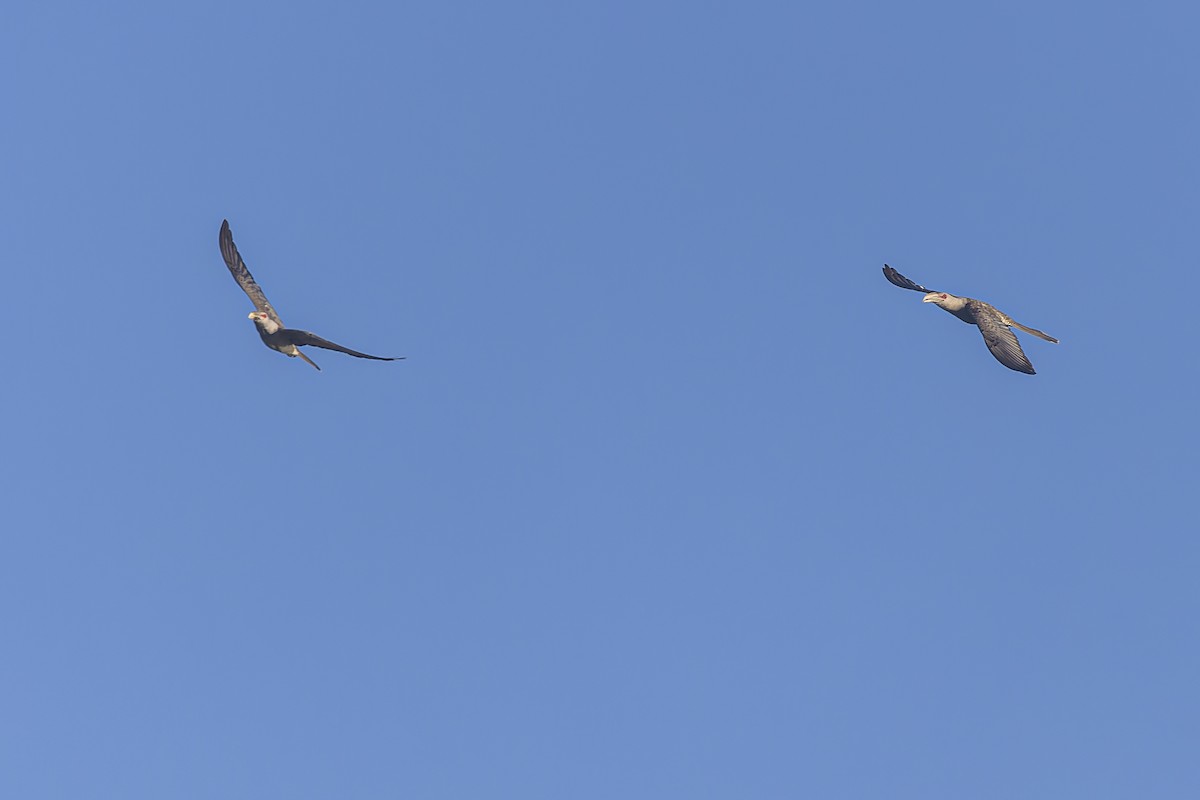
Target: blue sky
(675, 495)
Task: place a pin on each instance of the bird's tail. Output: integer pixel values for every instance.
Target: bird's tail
(1034, 331)
(306, 358)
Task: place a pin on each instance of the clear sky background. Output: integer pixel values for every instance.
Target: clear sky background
(675, 495)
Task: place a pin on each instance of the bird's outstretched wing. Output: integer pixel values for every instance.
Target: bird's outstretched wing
(302, 338)
(1002, 341)
(237, 268)
(903, 282)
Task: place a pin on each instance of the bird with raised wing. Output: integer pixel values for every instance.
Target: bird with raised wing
(270, 327)
(994, 324)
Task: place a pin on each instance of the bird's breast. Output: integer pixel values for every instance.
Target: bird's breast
(277, 341)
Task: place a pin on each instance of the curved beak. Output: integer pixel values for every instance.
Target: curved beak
(932, 297)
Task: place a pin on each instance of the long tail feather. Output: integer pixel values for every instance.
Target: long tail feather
(309, 360)
(1035, 332)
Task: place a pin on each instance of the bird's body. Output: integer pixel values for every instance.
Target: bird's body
(994, 324)
(270, 327)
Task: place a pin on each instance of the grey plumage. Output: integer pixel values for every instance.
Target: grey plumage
(270, 327)
(994, 324)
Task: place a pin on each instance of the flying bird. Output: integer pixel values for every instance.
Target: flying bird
(270, 327)
(994, 324)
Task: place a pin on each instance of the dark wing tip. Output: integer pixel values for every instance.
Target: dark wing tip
(1015, 364)
(228, 249)
(899, 280)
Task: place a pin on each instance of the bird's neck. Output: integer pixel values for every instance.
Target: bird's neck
(266, 326)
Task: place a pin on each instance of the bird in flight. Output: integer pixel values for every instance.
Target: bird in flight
(994, 324)
(286, 340)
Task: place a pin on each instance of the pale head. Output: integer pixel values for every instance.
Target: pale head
(946, 301)
(263, 321)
